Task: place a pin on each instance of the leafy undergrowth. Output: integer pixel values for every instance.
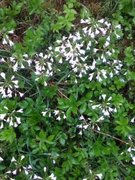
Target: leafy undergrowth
(67, 92)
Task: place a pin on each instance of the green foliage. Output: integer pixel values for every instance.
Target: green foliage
(67, 93)
(66, 21)
(8, 135)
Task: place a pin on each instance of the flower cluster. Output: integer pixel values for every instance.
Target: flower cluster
(6, 39)
(84, 54)
(56, 113)
(28, 170)
(8, 85)
(105, 108)
(12, 118)
(87, 52)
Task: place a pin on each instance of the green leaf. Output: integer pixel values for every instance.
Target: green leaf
(2, 167)
(83, 108)
(8, 135)
(50, 91)
(62, 141)
(131, 75)
(129, 58)
(123, 127)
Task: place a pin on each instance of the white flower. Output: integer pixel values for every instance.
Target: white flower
(56, 112)
(2, 116)
(118, 26)
(18, 120)
(22, 157)
(100, 119)
(75, 69)
(29, 167)
(13, 159)
(95, 50)
(101, 21)
(133, 160)
(107, 24)
(8, 172)
(4, 41)
(82, 21)
(105, 112)
(11, 32)
(1, 126)
(40, 55)
(3, 75)
(92, 35)
(100, 176)
(91, 76)
(103, 72)
(129, 149)
(36, 177)
(11, 123)
(103, 30)
(15, 67)
(132, 120)
(107, 43)
(7, 85)
(95, 106)
(64, 117)
(108, 53)
(10, 43)
(45, 84)
(80, 132)
(14, 172)
(26, 171)
(110, 109)
(44, 169)
(98, 128)
(85, 126)
(60, 61)
(54, 161)
(44, 113)
(97, 31)
(81, 117)
(1, 159)
(93, 65)
(15, 124)
(110, 98)
(103, 58)
(58, 118)
(20, 111)
(52, 177)
(103, 96)
(111, 74)
(98, 77)
(79, 126)
(80, 75)
(75, 81)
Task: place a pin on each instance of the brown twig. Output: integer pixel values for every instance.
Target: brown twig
(109, 135)
(62, 94)
(106, 134)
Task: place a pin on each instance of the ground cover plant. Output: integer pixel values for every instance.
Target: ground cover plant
(67, 91)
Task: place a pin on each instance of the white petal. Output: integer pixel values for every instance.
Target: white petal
(3, 75)
(1, 159)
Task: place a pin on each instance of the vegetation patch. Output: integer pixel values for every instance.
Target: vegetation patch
(67, 86)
